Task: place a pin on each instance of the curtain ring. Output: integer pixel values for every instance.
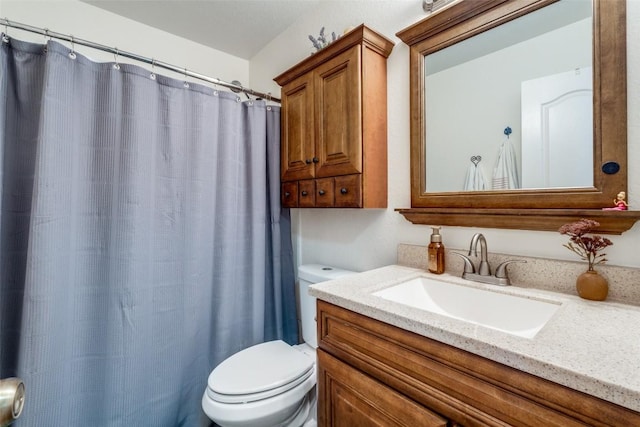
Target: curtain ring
(186, 83)
(152, 76)
(6, 30)
(72, 53)
(47, 39)
(115, 59)
(215, 85)
(5, 36)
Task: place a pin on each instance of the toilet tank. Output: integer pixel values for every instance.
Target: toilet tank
(308, 275)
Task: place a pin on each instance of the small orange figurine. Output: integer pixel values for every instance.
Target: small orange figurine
(621, 205)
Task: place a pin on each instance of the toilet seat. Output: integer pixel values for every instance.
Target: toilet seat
(259, 372)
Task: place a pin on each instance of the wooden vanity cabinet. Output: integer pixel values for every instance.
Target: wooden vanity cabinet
(334, 124)
(371, 372)
(354, 399)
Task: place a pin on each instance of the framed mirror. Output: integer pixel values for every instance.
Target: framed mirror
(476, 72)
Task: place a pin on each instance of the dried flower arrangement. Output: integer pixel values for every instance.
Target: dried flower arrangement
(587, 247)
(321, 42)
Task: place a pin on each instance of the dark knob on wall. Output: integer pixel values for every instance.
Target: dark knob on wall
(343, 190)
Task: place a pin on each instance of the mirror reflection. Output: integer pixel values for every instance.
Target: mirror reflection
(512, 108)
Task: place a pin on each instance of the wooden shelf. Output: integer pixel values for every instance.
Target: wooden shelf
(611, 222)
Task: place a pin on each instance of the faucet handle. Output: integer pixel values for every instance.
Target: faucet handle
(468, 264)
(501, 270)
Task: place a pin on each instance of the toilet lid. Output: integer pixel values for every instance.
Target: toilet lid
(258, 372)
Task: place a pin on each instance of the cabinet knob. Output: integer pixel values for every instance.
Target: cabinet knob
(287, 194)
(316, 160)
(344, 190)
(304, 193)
(308, 161)
(321, 192)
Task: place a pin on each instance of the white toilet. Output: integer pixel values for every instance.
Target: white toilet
(272, 384)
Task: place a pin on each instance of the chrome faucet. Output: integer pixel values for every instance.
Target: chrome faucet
(483, 269)
(483, 275)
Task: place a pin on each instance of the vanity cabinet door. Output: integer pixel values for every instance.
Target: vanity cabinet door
(297, 145)
(350, 398)
(338, 115)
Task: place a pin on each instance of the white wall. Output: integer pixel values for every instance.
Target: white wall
(87, 22)
(365, 239)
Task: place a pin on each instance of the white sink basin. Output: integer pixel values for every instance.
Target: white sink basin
(513, 314)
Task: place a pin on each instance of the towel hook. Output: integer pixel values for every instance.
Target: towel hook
(507, 131)
(475, 160)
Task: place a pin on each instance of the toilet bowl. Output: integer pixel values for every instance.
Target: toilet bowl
(273, 383)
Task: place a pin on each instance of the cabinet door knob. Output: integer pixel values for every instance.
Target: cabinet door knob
(308, 161)
(316, 160)
(321, 192)
(344, 190)
(287, 194)
(304, 193)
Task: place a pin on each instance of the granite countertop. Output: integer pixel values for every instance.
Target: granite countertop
(590, 346)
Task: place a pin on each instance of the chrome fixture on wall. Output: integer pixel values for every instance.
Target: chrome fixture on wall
(12, 394)
(430, 6)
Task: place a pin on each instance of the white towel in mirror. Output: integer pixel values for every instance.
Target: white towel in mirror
(475, 180)
(505, 173)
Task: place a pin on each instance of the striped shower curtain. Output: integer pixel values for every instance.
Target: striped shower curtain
(141, 238)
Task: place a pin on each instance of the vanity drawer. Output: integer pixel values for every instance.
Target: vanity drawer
(348, 191)
(458, 385)
(325, 192)
(306, 193)
(289, 194)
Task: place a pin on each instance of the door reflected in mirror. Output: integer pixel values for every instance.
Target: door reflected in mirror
(519, 98)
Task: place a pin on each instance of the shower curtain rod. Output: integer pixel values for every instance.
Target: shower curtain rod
(235, 87)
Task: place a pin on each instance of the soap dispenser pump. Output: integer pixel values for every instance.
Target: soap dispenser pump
(435, 252)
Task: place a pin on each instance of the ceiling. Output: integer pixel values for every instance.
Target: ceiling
(238, 27)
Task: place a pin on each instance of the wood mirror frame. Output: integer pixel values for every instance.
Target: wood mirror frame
(543, 209)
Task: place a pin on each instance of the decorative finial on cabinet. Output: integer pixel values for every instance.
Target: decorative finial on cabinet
(321, 42)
